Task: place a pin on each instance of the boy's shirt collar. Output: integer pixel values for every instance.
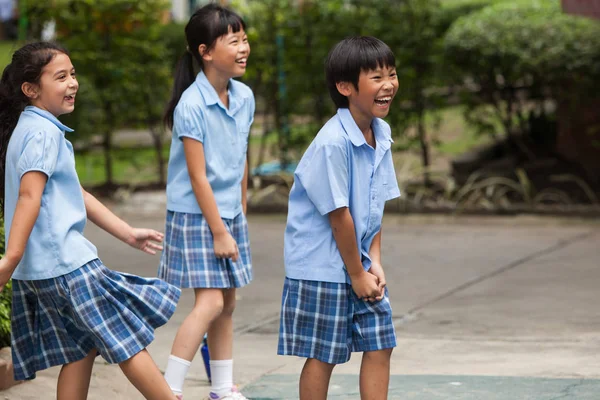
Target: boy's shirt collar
(382, 137)
(49, 116)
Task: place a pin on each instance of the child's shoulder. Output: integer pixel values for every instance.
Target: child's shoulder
(32, 126)
(332, 133)
(241, 89)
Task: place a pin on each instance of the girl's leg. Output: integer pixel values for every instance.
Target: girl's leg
(314, 380)
(220, 346)
(74, 378)
(220, 332)
(143, 373)
(207, 307)
(375, 374)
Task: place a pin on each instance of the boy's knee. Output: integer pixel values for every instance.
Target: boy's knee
(379, 355)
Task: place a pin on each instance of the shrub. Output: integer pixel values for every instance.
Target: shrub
(517, 55)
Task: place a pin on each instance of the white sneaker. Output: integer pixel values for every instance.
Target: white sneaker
(235, 394)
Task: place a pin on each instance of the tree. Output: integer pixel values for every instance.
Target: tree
(114, 45)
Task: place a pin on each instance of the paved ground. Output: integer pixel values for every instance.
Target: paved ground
(486, 308)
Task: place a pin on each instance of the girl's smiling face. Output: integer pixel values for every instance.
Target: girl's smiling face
(229, 54)
(57, 87)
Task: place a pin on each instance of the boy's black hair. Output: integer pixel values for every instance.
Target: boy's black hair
(205, 26)
(351, 56)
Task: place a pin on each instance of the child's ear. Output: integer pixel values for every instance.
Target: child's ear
(30, 90)
(204, 52)
(345, 88)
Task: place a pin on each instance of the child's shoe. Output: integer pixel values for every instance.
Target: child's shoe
(233, 395)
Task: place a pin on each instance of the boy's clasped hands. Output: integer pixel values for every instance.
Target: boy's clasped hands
(369, 285)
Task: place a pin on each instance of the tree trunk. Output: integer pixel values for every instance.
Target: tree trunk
(158, 148)
(107, 147)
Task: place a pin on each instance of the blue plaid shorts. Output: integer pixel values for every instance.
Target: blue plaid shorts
(188, 259)
(60, 320)
(327, 321)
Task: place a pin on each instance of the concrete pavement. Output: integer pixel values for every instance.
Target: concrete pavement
(486, 308)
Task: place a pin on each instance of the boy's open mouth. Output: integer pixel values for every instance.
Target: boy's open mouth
(383, 101)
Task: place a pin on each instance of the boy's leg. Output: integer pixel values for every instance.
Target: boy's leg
(375, 336)
(143, 373)
(314, 380)
(74, 378)
(375, 374)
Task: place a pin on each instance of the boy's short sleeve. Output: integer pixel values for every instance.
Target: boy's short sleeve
(325, 177)
(40, 153)
(188, 122)
(393, 189)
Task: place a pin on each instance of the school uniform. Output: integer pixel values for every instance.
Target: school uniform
(321, 316)
(65, 301)
(188, 259)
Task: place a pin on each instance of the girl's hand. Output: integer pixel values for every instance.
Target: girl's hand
(225, 246)
(377, 270)
(146, 240)
(5, 273)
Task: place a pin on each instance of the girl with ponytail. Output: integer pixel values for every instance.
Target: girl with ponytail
(67, 306)
(206, 238)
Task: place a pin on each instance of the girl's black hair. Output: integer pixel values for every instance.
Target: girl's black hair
(205, 26)
(351, 56)
(26, 65)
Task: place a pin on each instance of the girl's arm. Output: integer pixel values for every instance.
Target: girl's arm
(99, 214)
(245, 188)
(26, 213)
(224, 244)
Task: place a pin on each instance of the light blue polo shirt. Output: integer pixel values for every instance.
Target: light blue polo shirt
(56, 245)
(339, 169)
(201, 115)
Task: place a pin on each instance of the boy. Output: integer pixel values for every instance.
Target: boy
(334, 298)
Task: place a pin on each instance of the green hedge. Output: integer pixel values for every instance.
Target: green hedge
(522, 53)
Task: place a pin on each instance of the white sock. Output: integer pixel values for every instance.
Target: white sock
(177, 369)
(221, 374)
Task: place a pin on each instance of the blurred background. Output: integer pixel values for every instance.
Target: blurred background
(497, 109)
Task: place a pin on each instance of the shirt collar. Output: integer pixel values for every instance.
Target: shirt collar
(211, 97)
(49, 116)
(382, 136)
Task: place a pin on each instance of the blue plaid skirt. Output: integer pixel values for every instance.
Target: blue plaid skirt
(60, 320)
(327, 321)
(188, 259)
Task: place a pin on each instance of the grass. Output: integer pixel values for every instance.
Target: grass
(138, 165)
(134, 166)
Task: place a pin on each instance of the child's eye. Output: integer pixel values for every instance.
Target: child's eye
(62, 76)
(376, 77)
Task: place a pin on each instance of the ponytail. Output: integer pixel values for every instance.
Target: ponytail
(184, 77)
(205, 26)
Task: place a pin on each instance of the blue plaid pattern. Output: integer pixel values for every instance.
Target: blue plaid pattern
(188, 259)
(327, 321)
(60, 320)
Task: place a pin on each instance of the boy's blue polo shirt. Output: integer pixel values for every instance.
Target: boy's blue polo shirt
(339, 169)
(201, 115)
(56, 245)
